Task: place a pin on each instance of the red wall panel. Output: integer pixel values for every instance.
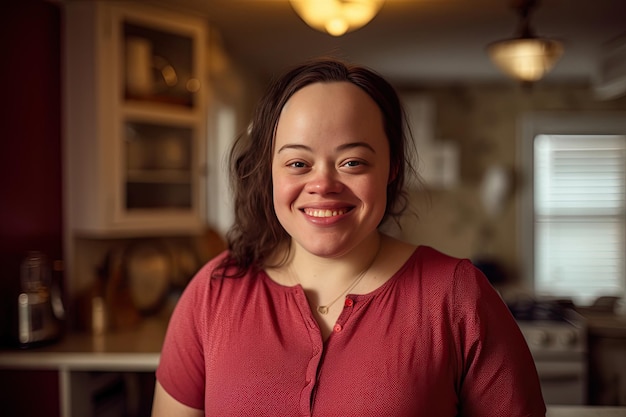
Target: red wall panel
(30, 142)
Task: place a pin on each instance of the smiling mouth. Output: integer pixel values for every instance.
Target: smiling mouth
(325, 212)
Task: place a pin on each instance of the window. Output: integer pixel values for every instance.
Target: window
(574, 209)
(579, 214)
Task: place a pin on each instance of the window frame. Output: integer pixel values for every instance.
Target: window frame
(550, 123)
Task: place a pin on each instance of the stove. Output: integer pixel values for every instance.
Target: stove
(557, 338)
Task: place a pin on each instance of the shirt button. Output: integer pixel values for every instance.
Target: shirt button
(337, 328)
(349, 302)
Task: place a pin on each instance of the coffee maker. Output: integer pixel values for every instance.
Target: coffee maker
(39, 303)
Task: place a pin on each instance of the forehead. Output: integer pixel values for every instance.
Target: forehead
(322, 94)
(336, 108)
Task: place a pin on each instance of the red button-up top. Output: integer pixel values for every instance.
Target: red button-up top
(434, 340)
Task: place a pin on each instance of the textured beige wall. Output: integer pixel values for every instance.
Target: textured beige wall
(483, 121)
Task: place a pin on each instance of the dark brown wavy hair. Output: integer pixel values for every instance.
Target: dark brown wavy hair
(256, 231)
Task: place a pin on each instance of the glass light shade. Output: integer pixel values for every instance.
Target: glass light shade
(336, 17)
(525, 59)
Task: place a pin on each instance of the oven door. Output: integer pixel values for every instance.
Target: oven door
(563, 382)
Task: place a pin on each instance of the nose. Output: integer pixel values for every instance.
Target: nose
(324, 180)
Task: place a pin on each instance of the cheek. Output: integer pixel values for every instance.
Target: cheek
(284, 195)
(377, 192)
(374, 192)
(285, 192)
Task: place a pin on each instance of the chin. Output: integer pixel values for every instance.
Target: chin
(328, 247)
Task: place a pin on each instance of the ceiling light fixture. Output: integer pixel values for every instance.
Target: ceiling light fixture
(336, 17)
(526, 58)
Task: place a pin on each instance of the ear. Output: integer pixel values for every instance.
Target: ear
(393, 174)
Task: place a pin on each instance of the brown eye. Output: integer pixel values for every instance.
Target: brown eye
(353, 163)
(297, 164)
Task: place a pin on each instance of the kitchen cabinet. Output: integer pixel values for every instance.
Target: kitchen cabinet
(135, 120)
(607, 360)
(581, 411)
(21, 386)
(86, 374)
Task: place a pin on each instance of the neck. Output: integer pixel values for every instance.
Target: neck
(323, 274)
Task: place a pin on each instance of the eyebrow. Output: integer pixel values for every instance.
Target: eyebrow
(343, 147)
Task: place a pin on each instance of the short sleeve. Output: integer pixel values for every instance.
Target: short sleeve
(500, 378)
(181, 369)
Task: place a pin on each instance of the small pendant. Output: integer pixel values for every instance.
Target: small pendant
(322, 309)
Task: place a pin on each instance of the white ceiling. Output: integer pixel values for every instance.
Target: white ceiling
(413, 41)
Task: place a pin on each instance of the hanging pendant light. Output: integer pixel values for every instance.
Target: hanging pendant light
(336, 17)
(526, 58)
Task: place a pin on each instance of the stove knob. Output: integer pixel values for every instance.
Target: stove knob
(539, 338)
(568, 338)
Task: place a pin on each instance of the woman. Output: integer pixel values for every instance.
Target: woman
(313, 311)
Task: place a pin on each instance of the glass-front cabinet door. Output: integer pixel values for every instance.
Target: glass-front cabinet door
(159, 66)
(136, 119)
(159, 167)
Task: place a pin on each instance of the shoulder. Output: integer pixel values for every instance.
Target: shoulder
(456, 285)
(427, 263)
(208, 293)
(206, 272)
(440, 274)
(210, 279)
(434, 263)
(428, 254)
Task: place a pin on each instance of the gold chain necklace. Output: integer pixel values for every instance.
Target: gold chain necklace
(325, 308)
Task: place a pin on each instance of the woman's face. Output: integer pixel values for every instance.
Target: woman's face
(330, 168)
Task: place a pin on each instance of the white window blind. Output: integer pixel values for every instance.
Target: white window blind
(579, 215)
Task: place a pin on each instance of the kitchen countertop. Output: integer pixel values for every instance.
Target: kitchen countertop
(605, 324)
(135, 349)
(139, 350)
(583, 411)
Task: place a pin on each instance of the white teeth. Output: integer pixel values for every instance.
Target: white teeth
(324, 213)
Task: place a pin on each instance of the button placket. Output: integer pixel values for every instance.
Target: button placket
(308, 390)
(347, 311)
